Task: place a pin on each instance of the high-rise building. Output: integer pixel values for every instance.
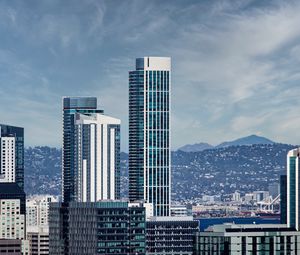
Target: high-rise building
(149, 133)
(293, 188)
(12, 154)
(283, 199)
(97, 164)
(91, 148)
(105, 227)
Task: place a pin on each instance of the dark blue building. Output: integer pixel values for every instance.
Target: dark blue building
(283, 199)
(105, 227)
(71, 106)
(149, 133)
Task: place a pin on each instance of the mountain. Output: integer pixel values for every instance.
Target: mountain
(224, 170)
(196, 147)
(42, 170)
(211, 172)
(248, 140)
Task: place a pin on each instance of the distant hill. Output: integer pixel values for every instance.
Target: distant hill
(248, 140)
(196, 147)
(224, 170)
(213, 171)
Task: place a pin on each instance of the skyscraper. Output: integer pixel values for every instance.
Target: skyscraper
(71, 106)
(91, 148)
(293, 205)
(97, 164)
(12, 154)
(149, 133)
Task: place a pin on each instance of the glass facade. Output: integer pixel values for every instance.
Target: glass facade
(247, 241)
(18, 134)
(292, 188)
(283, 199)
(97, 228)
(149, 134)
(71, 106)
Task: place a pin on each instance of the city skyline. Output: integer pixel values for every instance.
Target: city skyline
(224, 85)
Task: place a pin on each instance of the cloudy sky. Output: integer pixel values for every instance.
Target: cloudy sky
(235, 64)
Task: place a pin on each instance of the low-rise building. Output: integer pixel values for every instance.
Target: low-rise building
(38, 239)
(170, 235)
(37, 209)
(248, 239)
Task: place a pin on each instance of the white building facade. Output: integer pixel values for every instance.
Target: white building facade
(12, 222)
(8, 152)
(37, 210)
(97, 157)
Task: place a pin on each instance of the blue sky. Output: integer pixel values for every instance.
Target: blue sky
(235, 64)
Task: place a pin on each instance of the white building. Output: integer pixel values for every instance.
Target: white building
(179, 210)
(260, 195)
(37, 223)
(236, 196)
(12, 222)
(38, 240)
(97, 165)
(37, 209)
(8, 152)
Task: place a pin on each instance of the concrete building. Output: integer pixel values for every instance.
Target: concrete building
(104, 227)
(248, 239)
(236, 196)
(170, 235)
(181, 210)
(260, 195)
(37, 224)
(149, 133)
(38, 240)
(37, 210)
(11, 246)
(12, 222)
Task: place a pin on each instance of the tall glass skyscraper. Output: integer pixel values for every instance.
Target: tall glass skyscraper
(71, 106)
(293, 188)
(12, 155)
(149, 133)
